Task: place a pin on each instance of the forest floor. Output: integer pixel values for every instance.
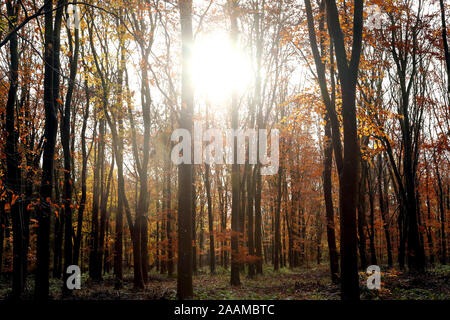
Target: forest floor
(306, 283)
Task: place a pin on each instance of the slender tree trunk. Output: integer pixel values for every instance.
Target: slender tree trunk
(277, 239)
(2, 232)
(118, 145)
(383, 209)
(235, 203)
(185, 181)
(250, 232)
(257, 170)
(84, 156)
(194, 221)
(362, 216)
(13, 174)
(66, 143)
(104, 218)
(51, 95)
(58, 230)
(170, 257)
(348, 73)
(373, 256)
(94, 272)
(328, 196)
(212, 250)
(440, 196)
(445, 42)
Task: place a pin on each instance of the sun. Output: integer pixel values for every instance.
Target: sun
(219, 68)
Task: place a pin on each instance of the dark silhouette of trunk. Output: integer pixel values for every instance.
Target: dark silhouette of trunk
(118, 143)
(371, 191)
(250, 232)
(428, 229)
(58, 228)
(13, 172)
(157, 257)
(2, 232)
(362, 223)
(104, 217)
(212, 251)
(445, 42)
(201, 235)
(288, 216)
(84, 156)
(440, 196)
(51, 95)
(277, 239)
(170, 256)
(94, 270)
(185, 181)
(235, 174)
(328, 196)
(257, 170)
(194, 228)
(223, 219)
(348, 73)
(383, 204)
(243, 206)
(67, 151)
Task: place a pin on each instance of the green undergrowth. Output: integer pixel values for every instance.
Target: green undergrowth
(310, 282)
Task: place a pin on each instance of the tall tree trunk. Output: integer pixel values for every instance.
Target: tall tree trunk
(66, 143)
(118, 238)
(58, 230)
(257, 170)
(250, 232)
(104, 217)
(194, 228)
(2, 232)
(51, 97)
(373, 256)
(362, 223)
(348, 73)
(94, 271)
(84, 156)
(445, 42)
(276, 265)
(212, 250)
(13, 174)
(235, 174)
(328, 196)
(168, 201)
(185, 181)
(383, 205)
(440, 196)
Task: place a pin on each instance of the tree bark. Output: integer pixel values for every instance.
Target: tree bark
(348, 73)
(51, 95)
(13, 174)
(235, 174)
(185, 181)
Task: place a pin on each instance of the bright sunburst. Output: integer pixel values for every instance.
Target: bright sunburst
(219, 67)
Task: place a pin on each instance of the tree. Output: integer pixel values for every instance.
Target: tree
(51, 101)
(235, 175)
(348, 73)
(185, 181)
(12, 157)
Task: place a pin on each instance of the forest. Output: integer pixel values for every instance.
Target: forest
(224, 149)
